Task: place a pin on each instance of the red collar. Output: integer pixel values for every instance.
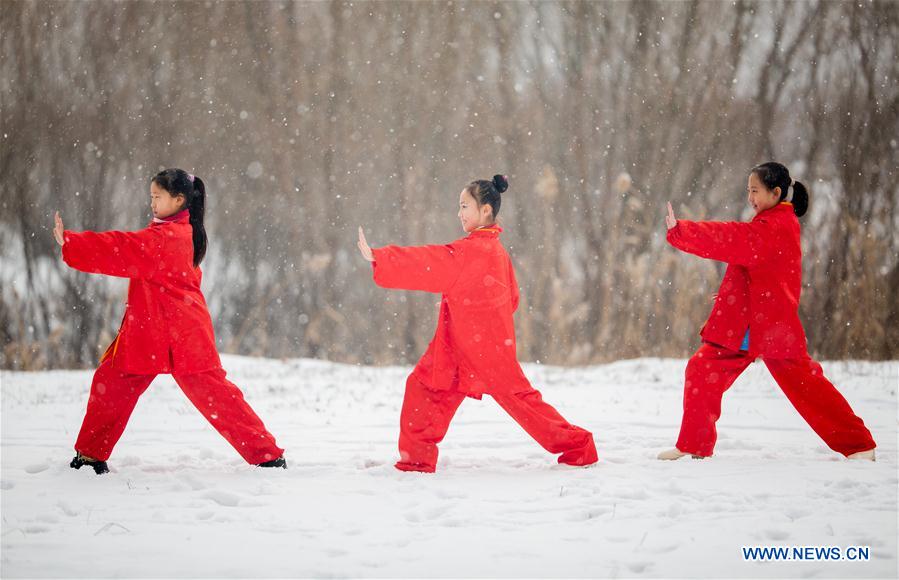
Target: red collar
(780, 207)
(182, 217)
(487, 231)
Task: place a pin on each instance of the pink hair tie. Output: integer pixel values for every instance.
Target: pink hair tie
(190, 177)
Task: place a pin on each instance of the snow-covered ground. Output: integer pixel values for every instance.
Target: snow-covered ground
(180, 502)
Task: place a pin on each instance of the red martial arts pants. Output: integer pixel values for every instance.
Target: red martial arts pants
(427, 413)
(114, 395)
(713, 369)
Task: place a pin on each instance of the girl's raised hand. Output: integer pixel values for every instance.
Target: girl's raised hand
(58, 229)
(670, 220)
(364, 247)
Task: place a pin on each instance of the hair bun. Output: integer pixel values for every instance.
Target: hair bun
(501, 183)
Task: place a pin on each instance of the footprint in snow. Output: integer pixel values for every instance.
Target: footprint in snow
(639, 567)
(775, 534)
(67, 509)
(664, 549)
(224, 498)
(36, 529)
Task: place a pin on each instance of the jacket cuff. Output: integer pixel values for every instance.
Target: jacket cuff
(673, 233)
(374, 263)
(66, 247)
(375, 252)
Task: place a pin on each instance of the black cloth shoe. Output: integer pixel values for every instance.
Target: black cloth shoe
(279, 462)
(79, 461)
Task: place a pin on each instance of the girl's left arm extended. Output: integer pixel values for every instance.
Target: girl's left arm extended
(740, 243)
(432, 268)
(123, 254)
(427, 268)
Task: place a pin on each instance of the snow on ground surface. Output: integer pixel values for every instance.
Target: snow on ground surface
(181, 503)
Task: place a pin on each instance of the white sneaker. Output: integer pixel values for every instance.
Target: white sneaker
(868, 455)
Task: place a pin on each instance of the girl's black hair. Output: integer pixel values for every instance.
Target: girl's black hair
(179, 182)
(484, 191)
(773, 174)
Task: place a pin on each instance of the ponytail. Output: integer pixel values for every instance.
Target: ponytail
(773, 175)
(197, 206)
(800, 199)
(179, 182)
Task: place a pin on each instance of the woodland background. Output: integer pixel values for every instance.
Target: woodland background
(309, 119)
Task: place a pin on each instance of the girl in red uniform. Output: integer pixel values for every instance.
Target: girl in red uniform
(473, 351)
(756, 314)
(166, 327)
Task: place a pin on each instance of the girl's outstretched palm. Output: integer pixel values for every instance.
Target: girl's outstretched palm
(670, 220)
(58, 229)
(364, 247)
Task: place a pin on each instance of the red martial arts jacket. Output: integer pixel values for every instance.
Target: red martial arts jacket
(166, 327)
(473, 350)
(762, 283)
